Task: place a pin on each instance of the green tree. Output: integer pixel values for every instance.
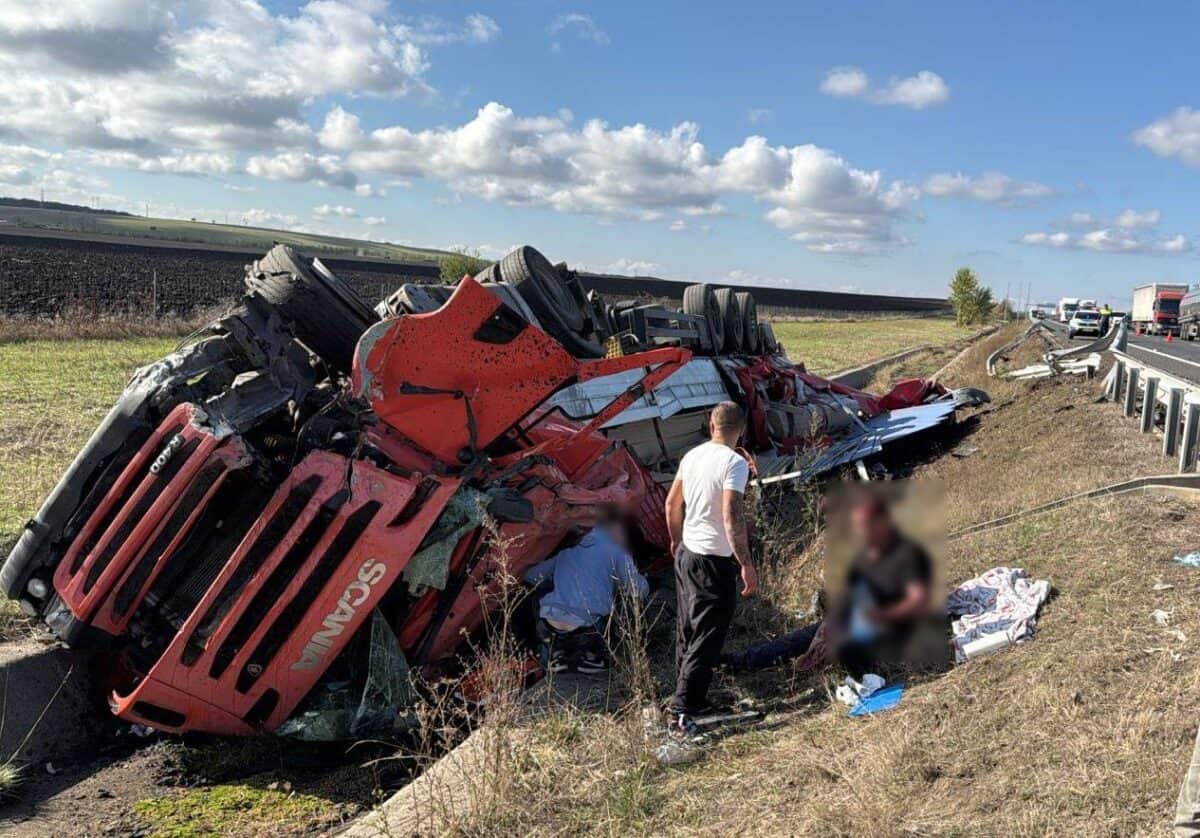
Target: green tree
(983, 305)
(972, 302)
(459, 263)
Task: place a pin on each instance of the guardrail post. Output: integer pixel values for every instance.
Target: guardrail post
(1118, 381)
(1149, 402)
(1131, 383)
(1171, 422)
(1187, 444)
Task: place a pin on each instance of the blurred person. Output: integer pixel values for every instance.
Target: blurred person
(888, 619)
(581, 584)
(707, 521)
(884, 618)
(1105, 318)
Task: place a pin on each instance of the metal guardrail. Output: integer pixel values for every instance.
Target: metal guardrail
(1142, 389)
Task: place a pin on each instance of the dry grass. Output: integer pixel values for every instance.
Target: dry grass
(81, 323)
(1084, 731)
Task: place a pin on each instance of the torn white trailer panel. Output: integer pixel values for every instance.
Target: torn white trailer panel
(697, 384)
(877, 432)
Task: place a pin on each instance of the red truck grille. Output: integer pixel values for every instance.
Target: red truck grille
(147, 512)
(240, 593)
(325, 548)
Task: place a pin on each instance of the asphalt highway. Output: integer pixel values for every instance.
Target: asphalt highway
(1177, 357)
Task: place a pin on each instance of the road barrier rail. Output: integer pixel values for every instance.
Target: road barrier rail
(1159, 400)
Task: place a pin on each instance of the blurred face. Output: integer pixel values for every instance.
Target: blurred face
(616, 531)
(871, 525)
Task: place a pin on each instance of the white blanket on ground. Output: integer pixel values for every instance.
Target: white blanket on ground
(1002, 600)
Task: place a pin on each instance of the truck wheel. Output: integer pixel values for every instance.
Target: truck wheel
(767, 341)
(325, 313)
(539, 283)
(749, 309)
(700, 299)
(731, 314)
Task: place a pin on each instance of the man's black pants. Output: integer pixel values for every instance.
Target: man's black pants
(706, 589)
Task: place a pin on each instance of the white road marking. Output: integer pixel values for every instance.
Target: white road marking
(1163, 354)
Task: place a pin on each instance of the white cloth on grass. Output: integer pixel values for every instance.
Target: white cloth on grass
(705, 473)
(1002, 600)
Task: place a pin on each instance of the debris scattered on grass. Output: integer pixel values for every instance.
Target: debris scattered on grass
(1188, 559)
(1161, 617)
(877, 702)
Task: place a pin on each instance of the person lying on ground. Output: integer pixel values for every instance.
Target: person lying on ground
(707, 522)
(582, 583)
(885, 619)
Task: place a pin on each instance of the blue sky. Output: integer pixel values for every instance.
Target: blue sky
(873, 147)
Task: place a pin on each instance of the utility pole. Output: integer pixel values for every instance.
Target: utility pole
(1007, 288)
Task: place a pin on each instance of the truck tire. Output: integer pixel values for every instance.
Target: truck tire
(324, 313)
(766, 338)
(554, 303)
(700, 299)
(749, 309)
(731, 315)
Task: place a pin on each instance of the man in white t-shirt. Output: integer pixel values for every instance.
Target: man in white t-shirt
(707, 521)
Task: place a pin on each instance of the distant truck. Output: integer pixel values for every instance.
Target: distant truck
(1066, 307)
(1156, 308)
(1189, 315)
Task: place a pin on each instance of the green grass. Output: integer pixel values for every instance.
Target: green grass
(829, 346)
(54, 394)
(237, 810)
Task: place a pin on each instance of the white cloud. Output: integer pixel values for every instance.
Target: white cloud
(627, 267)
(990, 187)
(1132, 219)
(758, 115)
(677, 226)
(634, 171)
(845, 82)
(301, 166)
(374, 220)
(475, 29)
(581, 26)
(335, 209)
(920, 91)
(15, 174)
(341, 130)
(268, 218)
(1047, 239)
(1176, 244)
(1175, 135)
(1109, 240)
(186, 163)
(164, 82)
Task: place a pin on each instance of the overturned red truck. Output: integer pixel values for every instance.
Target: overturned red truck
(307, 470)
